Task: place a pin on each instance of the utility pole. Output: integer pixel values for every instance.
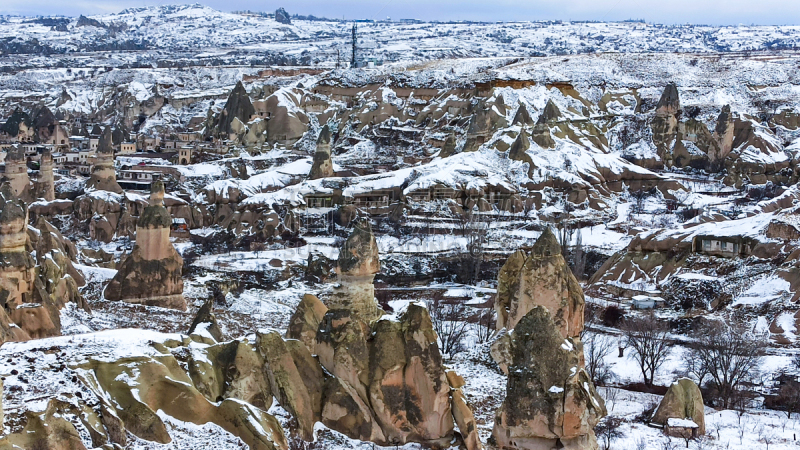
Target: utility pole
(353, 58)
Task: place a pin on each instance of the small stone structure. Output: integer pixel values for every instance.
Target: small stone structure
(152, 273)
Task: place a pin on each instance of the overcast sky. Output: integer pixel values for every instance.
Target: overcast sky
(718, 12)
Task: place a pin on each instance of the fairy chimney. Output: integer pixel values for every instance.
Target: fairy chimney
(152, 273)
(323, 166)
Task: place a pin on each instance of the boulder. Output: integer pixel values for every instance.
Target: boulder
(683, 400)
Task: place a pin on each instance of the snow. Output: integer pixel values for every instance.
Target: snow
(764, 289)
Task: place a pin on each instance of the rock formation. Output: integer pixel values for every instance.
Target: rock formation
(238, 108)
(550, 399)
(152, 273)
(540, 278)
(45, 185)
(723, 134)
(482, 123)
(683, 400)
(205, 323)
(16, 172)
(31, 295)
(357, 266)
(541, 131)
(386, 382)
(519, 150)
(449, 148)
(141, 386)
(281, 16)
(522, 117)
(104, 176)
(665, 122)
(323, 166)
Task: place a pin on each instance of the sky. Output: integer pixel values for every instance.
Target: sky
(714, 12)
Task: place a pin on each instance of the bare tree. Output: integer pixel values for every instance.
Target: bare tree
(765, 435)
(741, 428)
(608, 430)
(595, 349)
(450, 322)
(578, 256)
(611, 395)
(484, 325)
(647, 339)
(730, 356)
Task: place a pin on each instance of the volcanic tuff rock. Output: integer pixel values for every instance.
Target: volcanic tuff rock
(104, 176)
(32, 291)
(45, 185)
(305, 321)
(281, 16)
(550, 399)
(152, 273)
(138, 385)
(357, 265)
(522, 117)
(238, 107)
(378, 379)
(683, 400)
(449, 148)
(540, 278)
(16, 172)
(323, 166)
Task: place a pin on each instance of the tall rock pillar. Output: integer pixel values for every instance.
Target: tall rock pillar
(152, 273)
(358, 263)
(104, 176)
(16, 172)
(323, 166)
(45, 186)
(550, 399)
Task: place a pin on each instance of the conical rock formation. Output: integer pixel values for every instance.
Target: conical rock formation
(550, 400)
(104, 176)
(323, 166)
(152, 273)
